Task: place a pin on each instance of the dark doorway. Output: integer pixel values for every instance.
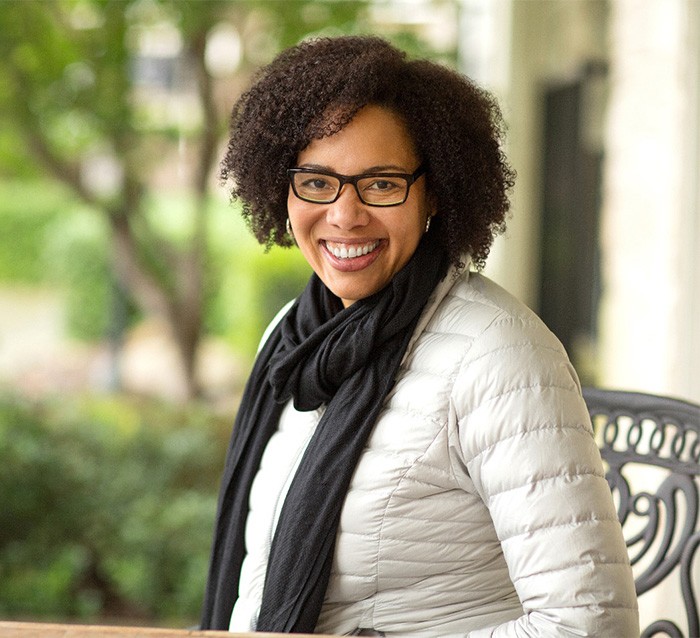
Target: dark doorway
(571, 193)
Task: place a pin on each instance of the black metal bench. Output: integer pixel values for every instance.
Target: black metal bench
(651, 446)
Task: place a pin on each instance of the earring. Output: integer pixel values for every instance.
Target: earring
(427, 223)
(289, 231)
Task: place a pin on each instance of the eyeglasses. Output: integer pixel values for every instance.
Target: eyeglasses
(373, 189)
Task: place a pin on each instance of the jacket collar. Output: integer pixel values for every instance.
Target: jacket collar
(435, 299)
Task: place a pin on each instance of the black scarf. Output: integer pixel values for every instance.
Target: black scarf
(319, 353)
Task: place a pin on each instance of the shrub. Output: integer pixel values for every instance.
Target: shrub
(108, 508)
(258, 285)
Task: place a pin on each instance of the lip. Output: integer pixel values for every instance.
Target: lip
(352, 264)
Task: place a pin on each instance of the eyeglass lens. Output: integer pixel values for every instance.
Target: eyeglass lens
(373, 189)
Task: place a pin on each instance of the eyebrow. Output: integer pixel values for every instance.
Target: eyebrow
(372, 169)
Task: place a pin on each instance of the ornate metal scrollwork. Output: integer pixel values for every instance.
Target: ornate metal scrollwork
(647, 440)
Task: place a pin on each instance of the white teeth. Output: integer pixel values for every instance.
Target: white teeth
(343, 252)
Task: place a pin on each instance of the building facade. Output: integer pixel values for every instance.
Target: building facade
(601, 98)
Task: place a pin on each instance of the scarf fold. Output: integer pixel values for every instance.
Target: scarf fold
(319, 353)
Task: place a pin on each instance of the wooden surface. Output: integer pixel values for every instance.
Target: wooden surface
(46, 630)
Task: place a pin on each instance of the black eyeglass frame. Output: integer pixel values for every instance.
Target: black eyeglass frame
(354, 179)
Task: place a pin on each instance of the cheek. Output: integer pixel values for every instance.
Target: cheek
(416, 226)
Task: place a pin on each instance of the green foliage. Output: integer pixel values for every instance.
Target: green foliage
(257, 285)
(108, 508)
(47, 238)
(76, 258)
(279, 277)
(292, 20)
(27, 211)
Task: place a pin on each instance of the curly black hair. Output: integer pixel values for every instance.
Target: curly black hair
(314, 89)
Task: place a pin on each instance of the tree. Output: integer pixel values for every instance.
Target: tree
(87, 91)
(70, 72)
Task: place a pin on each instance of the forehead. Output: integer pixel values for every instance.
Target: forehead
(375, 136)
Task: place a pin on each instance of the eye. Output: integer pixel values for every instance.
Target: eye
(317, 183)
(382, 185)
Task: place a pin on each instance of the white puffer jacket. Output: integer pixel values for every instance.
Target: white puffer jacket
(479, 507)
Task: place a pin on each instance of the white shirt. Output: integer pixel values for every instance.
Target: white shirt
(282, 455)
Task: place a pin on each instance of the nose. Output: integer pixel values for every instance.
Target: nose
(347, 211)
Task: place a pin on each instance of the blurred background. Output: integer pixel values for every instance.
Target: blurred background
(132, 296)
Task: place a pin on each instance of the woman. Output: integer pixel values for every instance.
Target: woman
(412, 455)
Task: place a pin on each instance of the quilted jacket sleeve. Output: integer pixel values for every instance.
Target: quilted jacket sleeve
(528, 448)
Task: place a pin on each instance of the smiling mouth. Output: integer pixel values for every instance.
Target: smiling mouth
(343, 251)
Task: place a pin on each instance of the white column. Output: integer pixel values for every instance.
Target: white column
(650, 236)
(649, 225)
(685, 379)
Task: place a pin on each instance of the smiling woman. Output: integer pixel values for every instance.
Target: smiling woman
(412, 455)
(381, 219)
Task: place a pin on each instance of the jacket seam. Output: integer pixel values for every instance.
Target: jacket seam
(529, 431)
(603, 605)
(517, 345)
(418, 481)
(577, 521)
(569, 566)
(440, 422)
(521, 388)
(424, 541)
(548, 477)
(380, 535)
